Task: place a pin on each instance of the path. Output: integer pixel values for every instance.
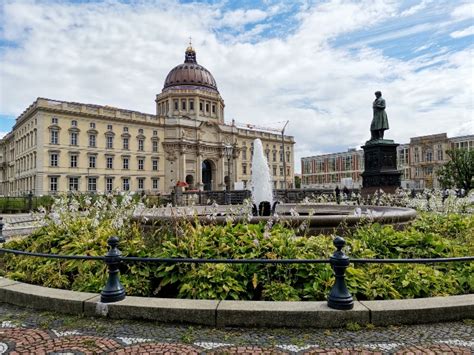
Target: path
(25, 331)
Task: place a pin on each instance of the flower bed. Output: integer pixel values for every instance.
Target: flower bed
(80, 226)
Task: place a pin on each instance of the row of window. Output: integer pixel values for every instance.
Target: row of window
(73, 184)
(274, 155)
(109, 162)
(311, 167)
(109, 143)
(244, 169)
(187, 105)
(92, 125)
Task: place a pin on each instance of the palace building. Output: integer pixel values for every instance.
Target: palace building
(58, 146)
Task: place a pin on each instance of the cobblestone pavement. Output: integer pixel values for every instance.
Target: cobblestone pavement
(24, 331)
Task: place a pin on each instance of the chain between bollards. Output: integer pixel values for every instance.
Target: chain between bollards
(113, 290)
(339, 297)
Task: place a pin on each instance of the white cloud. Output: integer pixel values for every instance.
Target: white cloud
(119, 55)
(463, 12)
(463, 33)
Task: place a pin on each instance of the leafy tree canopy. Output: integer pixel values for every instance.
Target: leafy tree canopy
(459, 171)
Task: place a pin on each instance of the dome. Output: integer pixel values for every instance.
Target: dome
(190, 75)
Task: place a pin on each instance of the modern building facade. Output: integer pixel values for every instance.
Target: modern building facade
(331, 170)
(58, 146)
(417, 160)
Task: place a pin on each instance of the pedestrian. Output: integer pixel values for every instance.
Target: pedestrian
(338, 195)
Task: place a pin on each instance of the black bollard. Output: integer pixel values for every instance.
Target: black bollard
(2, 238)
(339, 297)
(113, 290)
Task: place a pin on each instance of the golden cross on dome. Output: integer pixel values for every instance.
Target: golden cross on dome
(190, 41)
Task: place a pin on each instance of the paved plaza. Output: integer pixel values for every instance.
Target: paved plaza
(25, 331)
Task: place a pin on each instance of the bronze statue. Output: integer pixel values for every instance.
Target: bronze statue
(380, 121)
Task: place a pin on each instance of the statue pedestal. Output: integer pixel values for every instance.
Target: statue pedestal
(380, 167)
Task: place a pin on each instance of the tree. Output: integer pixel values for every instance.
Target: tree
(459, 171)
(297, 182)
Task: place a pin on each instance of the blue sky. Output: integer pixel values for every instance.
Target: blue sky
(315, 63)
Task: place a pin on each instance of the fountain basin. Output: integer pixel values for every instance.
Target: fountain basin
(318, 218)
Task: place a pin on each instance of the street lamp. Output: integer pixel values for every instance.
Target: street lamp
(284, 157)
(228, 150)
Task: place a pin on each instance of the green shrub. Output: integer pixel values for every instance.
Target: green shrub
(82, 225)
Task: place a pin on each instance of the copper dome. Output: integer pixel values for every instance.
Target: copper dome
(190, 74)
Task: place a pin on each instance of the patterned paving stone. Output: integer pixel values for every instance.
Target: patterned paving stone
(24, 331)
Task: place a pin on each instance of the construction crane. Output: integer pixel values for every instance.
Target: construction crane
(272, 130)
(257, 127)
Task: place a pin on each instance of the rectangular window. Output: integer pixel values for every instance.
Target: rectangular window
(274, 170)
(92, 161)
(125, 143)
(176, 105)
(109, 162)
(53, 183)
(154, 164)
(155, 146)
(274, 155)
(141, 145)
(92, 140)
(244, 153)
(281, 171)
(110, 142)
(244, 169)
(53, 159)
(141, 164)
(125, 163)
(126, 184)
(200, 106)
(140, 131)
(213, 108)
(141, 183)
(92, 184)
(125, 129)
(207, 107)
(73, 161)
(109, 184)
(74, 123)
(109, 127)
(155, 184)
(54, 137)
(183, 105)
(73, 184)
(92, 125)
(54, 120)
(191, 105)
(73, 138)
(440, 155)
(155, 132)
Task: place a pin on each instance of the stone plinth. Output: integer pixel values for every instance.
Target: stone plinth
(380, 167)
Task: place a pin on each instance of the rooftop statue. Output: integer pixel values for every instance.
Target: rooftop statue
(380, 121)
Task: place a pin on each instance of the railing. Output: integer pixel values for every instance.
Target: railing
(338, 298)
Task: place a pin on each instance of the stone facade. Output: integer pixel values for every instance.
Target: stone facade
(57, 146)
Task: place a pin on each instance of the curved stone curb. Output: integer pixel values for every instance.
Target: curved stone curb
(240, 313)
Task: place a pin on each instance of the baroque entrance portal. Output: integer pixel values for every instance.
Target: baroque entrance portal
(207, 175)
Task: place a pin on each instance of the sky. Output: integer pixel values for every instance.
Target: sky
(314, 63)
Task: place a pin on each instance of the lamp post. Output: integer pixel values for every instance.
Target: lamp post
(284, 157)
(228, 150)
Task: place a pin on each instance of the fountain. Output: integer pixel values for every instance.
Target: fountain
(318, 218)
(262, 192)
